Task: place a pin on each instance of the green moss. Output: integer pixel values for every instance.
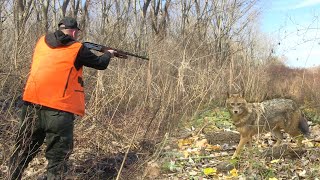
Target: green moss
(219, 117)
(312, 114)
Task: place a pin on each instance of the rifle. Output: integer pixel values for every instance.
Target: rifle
(119, 53)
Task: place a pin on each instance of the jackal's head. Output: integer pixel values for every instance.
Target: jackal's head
(236, 104)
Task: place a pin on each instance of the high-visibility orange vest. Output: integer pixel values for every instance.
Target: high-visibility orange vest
(54, 81)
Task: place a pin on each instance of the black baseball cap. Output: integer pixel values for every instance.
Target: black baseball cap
(68, 23)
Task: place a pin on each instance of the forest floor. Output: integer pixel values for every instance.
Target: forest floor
(205, 157)
(204, 147)
(198, 150)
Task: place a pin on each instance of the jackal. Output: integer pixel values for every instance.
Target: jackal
(268, 116)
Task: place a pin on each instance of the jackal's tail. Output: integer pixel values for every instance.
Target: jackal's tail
(303, 126)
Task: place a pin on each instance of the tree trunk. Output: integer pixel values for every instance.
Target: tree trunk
(22, 12)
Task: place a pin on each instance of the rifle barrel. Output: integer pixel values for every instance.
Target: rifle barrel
(98, 47)
(131, 54)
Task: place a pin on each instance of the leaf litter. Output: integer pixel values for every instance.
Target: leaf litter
(205, 153)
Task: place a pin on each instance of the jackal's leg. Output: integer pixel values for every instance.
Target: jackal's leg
(277, 133)
(243, 141)
(298, 137)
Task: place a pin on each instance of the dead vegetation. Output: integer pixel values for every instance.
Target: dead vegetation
(196, 56)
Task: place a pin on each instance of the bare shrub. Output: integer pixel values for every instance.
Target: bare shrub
(196, 57)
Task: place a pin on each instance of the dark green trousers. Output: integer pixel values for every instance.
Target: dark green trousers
(37, 124)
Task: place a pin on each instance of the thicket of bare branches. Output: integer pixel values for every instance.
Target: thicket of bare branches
(198, 51)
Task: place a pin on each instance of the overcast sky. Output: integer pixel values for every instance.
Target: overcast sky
(295, 25)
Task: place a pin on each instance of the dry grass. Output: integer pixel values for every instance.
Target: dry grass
(147, 99)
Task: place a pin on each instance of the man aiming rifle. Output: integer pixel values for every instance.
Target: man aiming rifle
(118, 53)
(53, 95)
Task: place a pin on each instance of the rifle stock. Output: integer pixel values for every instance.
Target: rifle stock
(119, 53)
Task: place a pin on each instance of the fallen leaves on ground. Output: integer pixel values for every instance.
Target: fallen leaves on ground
(195, 158)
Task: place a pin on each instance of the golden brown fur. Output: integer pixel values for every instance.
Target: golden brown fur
(268, 116)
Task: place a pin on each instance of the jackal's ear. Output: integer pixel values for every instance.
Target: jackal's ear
(232, 94)
(235, 95)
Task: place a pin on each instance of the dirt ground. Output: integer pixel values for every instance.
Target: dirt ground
(223, 137)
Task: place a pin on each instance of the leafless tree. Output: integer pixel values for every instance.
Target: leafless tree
(3, 17)
(42, 8)
(22, 12)
(84, 17)
(122, 8)
(230, 18)
(63, 7)
(140, 14)
(203, 19)
(160, 16)
(185, 10)
(75, 6)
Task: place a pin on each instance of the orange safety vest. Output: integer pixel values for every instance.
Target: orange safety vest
(54, 81)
